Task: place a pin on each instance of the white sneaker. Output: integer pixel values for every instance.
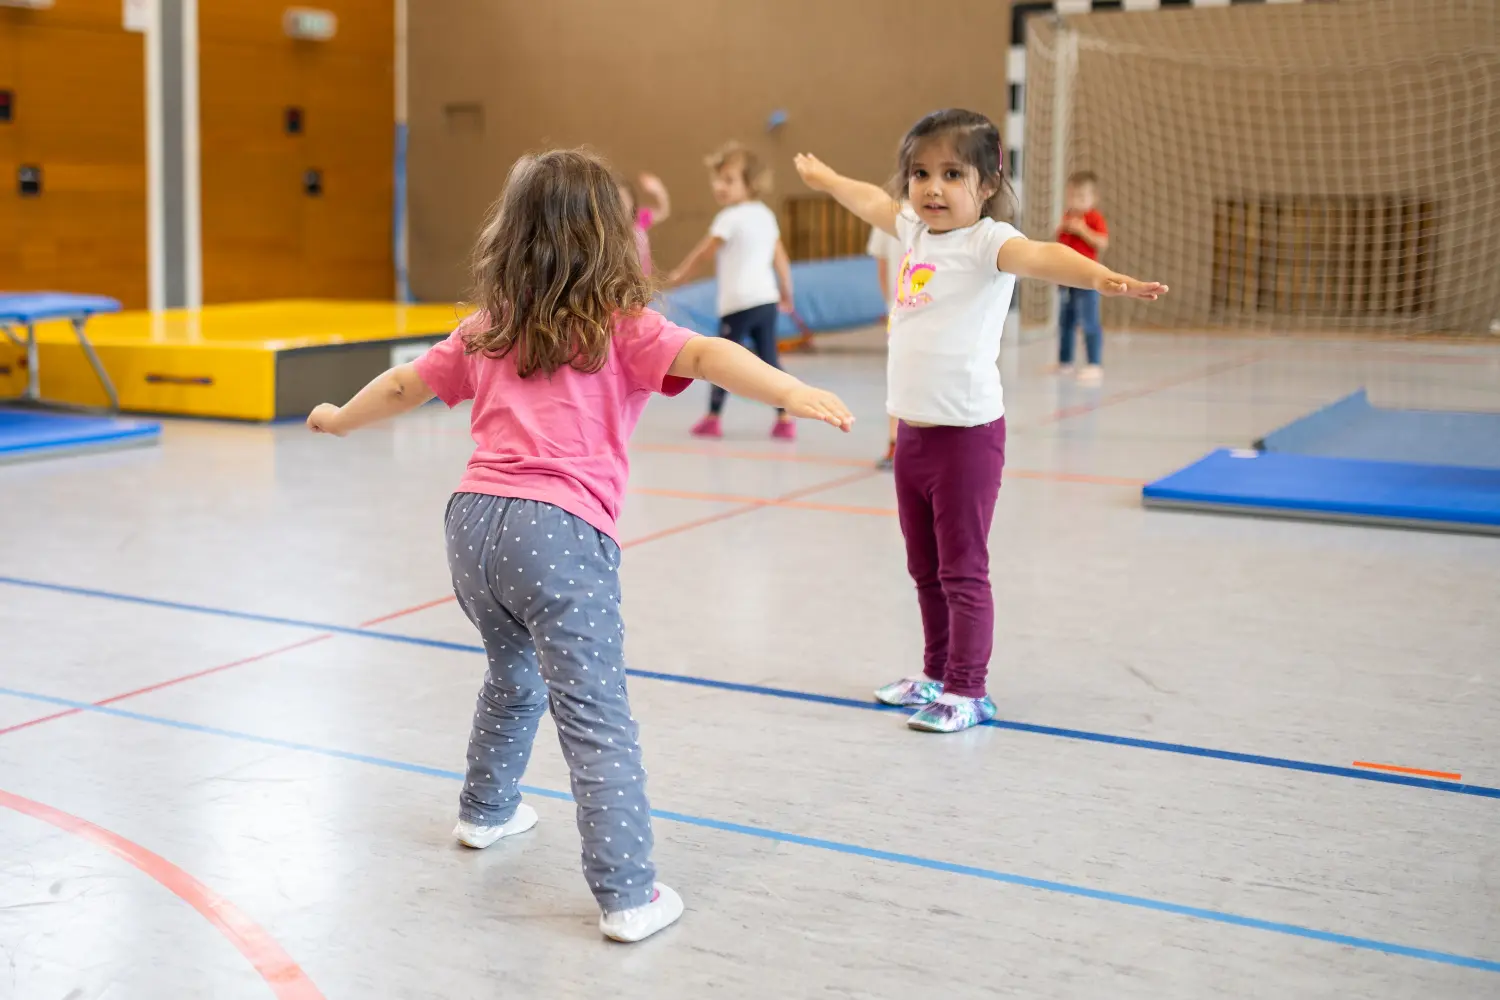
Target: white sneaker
(641, 922)
(1092, 375)
(479, 837)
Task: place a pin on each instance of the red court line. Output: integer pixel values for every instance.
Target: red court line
(270, 960)
(747, 508)
(835, 508)
(221, 667)
(860, 463)
(406, 611)
(758, 504)
(754, 456)
(1397, 769)
(1069, 412)
(168, 683)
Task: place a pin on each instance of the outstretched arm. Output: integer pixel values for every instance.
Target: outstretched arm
(389, 394)
(865, 200)
(662, 207)
(707, 247)
(784, 277)
(1062, 265)
(727, 364)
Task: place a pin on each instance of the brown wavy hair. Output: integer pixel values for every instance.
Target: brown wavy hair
(555, 262)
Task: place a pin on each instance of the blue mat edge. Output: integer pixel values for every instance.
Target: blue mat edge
(138, 430)
(1159, 490)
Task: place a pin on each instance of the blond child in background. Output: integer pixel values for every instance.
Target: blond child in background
(888, 253)
(753, 271)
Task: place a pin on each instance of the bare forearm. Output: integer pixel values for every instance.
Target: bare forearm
(730, 366)
(694, 259)
(868, 201)
(389, 394)
(1054, 262)
(784, 273)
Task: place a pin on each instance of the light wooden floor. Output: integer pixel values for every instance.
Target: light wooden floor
(253, 697)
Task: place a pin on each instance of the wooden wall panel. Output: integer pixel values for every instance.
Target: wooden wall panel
(80, 116)
(251, 188)
(263, 236)
(657, 84)
(10, 218)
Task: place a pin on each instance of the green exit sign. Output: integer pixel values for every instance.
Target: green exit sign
(310, 24)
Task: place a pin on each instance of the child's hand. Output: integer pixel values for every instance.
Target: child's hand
(324, 419)
(652, 185)
(787, 305)
(1119, 284)
(818, 404)
(814, 172)
(1069, 224)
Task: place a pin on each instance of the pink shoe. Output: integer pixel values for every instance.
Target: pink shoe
(708, 427)
(785, 430)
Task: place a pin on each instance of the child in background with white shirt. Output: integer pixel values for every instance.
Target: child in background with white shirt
(943, 375)
(754, 273)
(888, 253)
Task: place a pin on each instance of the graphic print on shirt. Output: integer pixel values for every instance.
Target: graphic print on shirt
(914, 277)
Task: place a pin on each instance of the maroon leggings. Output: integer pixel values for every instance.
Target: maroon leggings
(947, 482)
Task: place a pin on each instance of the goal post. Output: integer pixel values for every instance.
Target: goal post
(1318, 167)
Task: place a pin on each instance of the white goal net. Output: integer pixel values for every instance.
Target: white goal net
(1317, 166)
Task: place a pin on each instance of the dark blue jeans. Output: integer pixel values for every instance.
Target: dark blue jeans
(1079, 307)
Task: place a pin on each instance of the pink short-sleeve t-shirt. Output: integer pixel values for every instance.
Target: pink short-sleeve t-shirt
(558, 439)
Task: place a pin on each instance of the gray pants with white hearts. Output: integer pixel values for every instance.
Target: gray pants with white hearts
(543, 588)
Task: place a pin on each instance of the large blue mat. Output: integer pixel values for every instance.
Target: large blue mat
(829, 295)
(1352, 428)
(1335, 489)
(27, 434)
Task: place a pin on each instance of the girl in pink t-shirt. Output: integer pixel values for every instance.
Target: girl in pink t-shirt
(559, 362)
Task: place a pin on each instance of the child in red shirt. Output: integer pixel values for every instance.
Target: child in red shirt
(1083, 229)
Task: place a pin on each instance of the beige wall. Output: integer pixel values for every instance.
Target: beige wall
(656, 84)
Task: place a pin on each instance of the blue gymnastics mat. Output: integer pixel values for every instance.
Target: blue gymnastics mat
(1312, 487)
(1352, 428)
(829, 295)
(31, 434)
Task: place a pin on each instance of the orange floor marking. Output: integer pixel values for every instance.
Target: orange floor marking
(834, 508)
(1445, 775)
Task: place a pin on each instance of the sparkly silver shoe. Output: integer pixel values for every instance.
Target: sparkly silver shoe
(940, 717)
(910, 693)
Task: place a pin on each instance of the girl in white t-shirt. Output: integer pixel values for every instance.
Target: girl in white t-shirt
(754, 273)
(952, 295)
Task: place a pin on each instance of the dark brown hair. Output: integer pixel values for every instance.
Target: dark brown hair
(555, 262)
(976, 140)
(1083, 177)
(756, 174)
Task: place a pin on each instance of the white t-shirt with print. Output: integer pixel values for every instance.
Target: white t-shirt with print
(884, 246)
(951, 302)
(746, 261)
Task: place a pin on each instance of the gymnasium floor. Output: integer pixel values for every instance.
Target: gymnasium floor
(235, 698)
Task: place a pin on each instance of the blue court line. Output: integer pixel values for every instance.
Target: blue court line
(1258, 760)
(818, 843)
